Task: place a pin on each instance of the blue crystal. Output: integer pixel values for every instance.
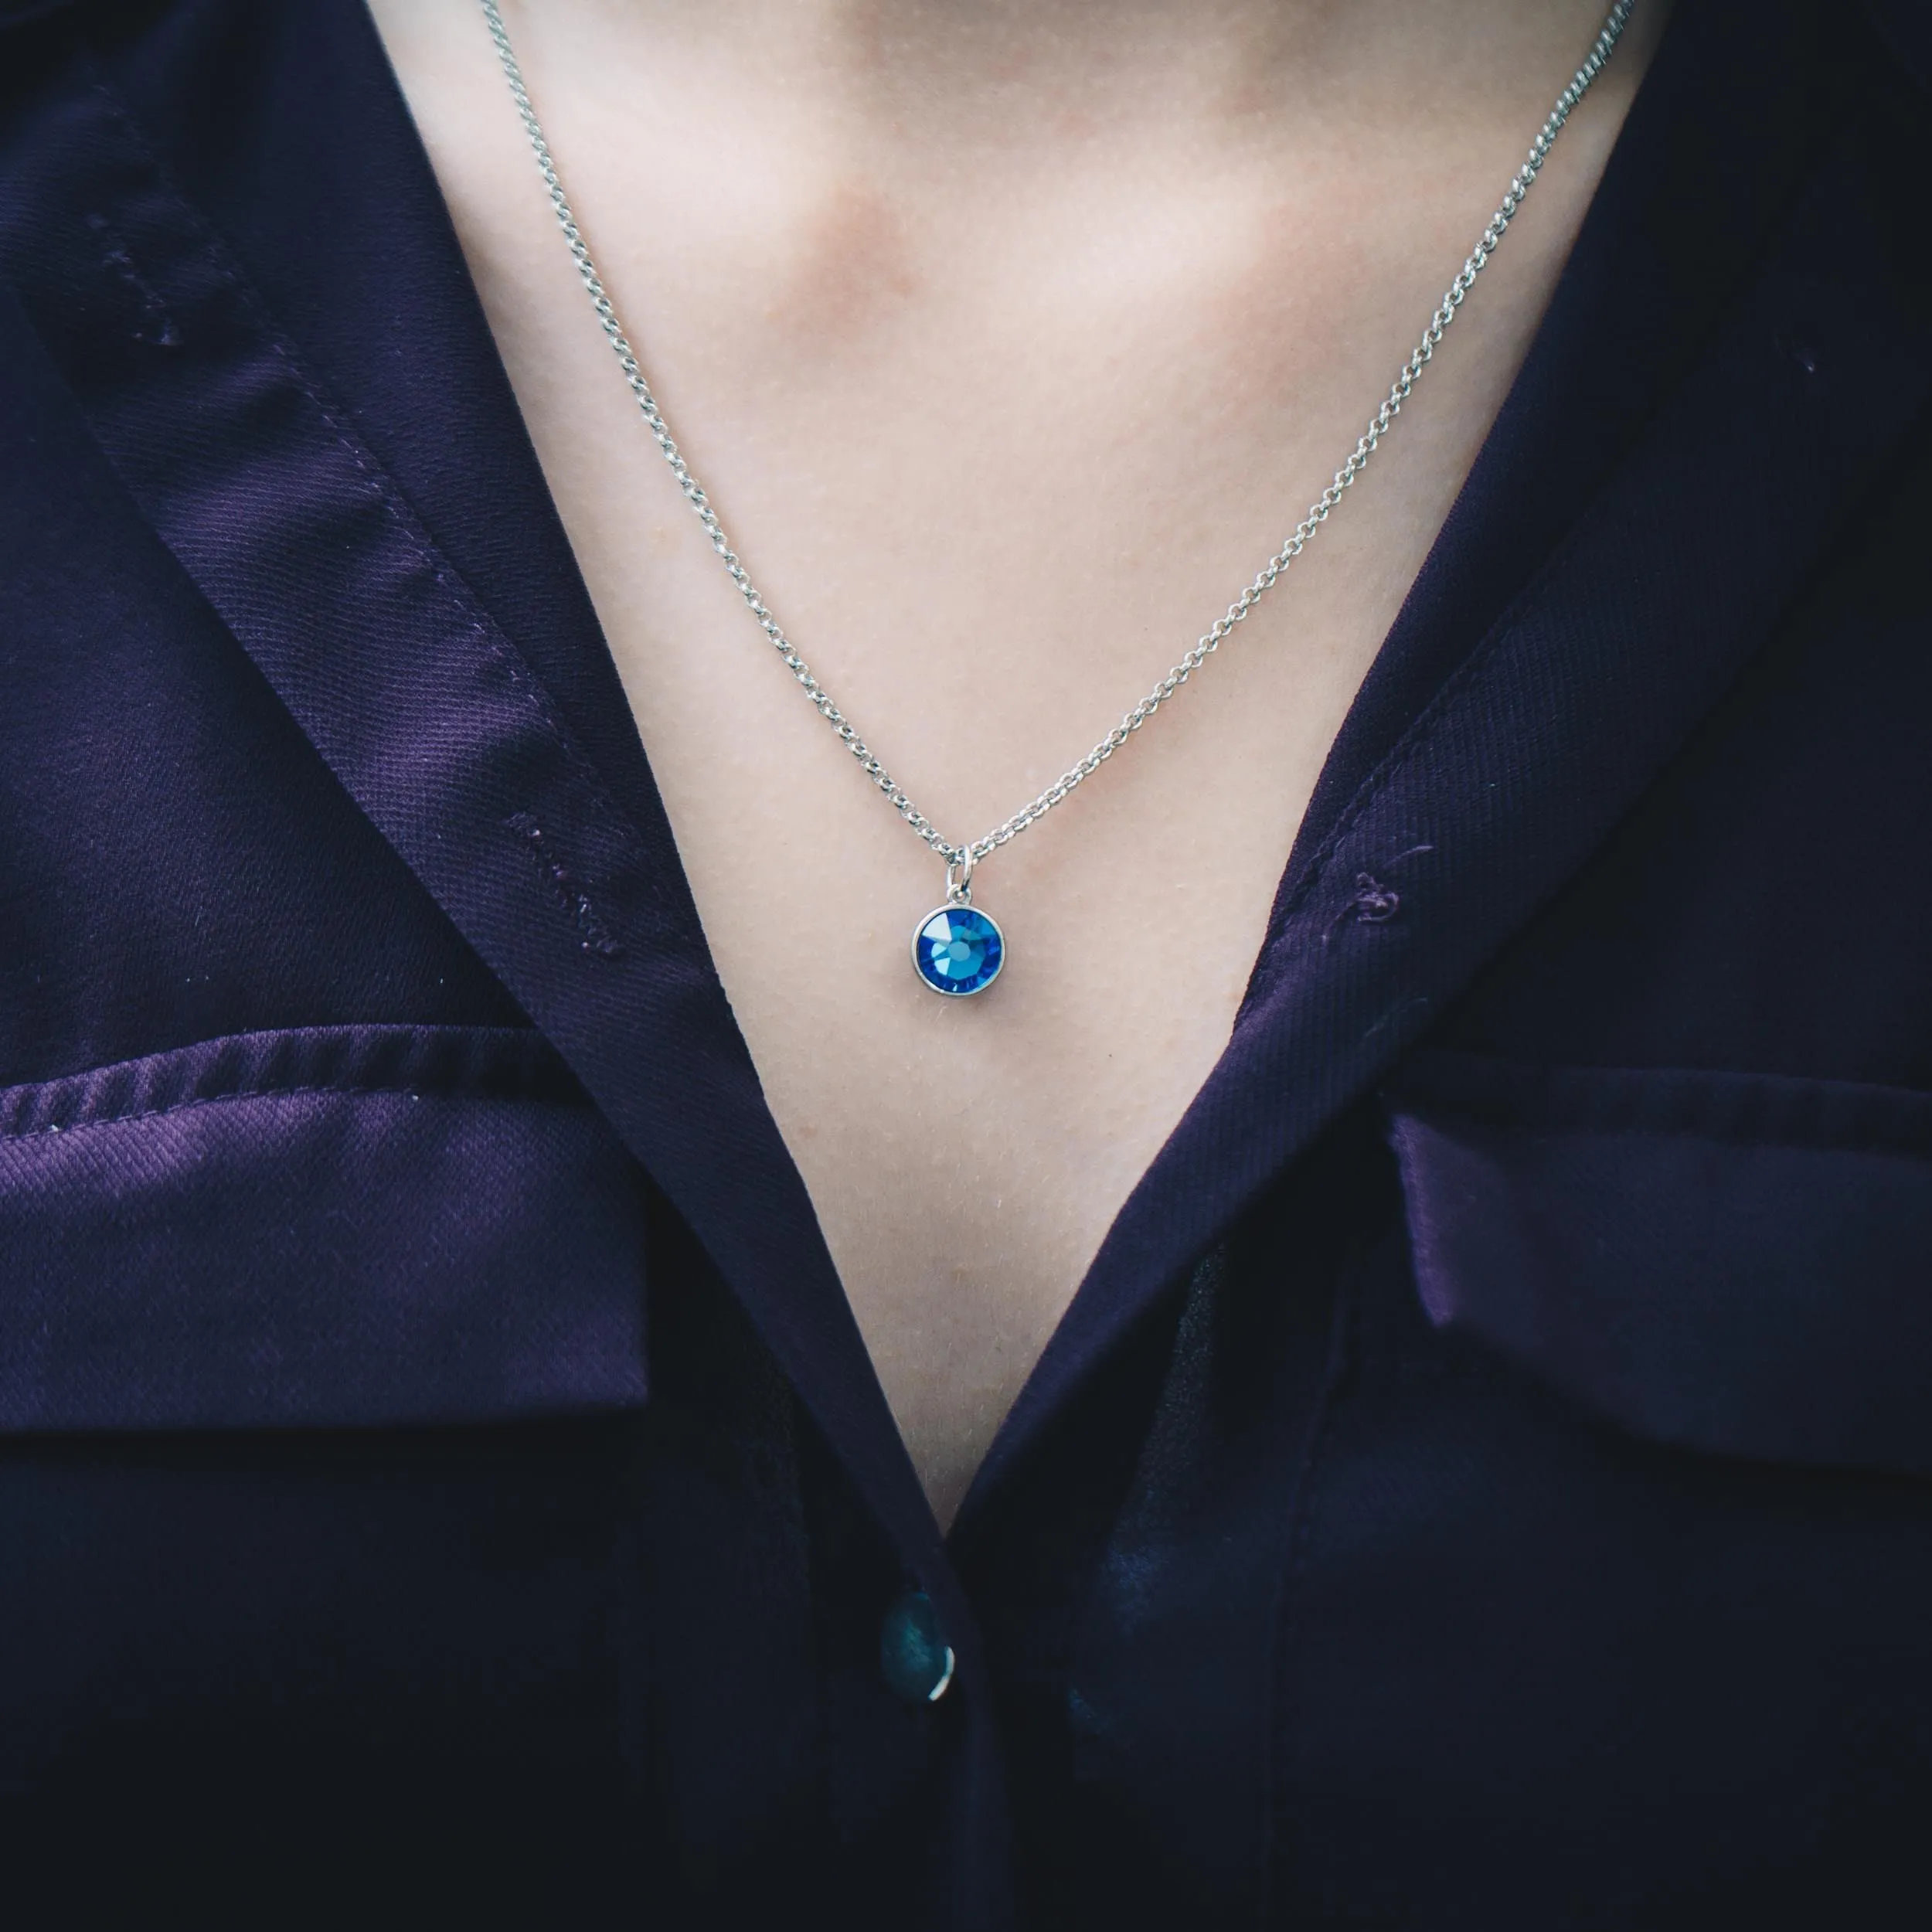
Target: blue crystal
(959, 950)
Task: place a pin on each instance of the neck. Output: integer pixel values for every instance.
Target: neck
(989, 72)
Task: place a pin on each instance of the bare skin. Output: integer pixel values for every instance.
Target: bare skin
(1010, 340)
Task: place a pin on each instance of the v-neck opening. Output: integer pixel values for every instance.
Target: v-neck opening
(1462, 583)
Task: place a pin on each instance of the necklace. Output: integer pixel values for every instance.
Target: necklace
(957, 949)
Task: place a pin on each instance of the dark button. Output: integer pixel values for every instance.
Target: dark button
(913, 1650)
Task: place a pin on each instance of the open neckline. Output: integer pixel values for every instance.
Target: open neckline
(1525, 487)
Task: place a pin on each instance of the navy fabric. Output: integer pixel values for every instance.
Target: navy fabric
(1480, 1481)
(1652, 1242)
(349, 1225)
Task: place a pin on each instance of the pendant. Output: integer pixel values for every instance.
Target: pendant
(956, 950)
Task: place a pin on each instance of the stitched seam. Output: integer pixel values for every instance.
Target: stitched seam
(1526, 1105)
(496, 648)
(1814, 1143)
(1449, 1059)
(55, 1131)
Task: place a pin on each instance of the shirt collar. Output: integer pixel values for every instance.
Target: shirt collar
(331, 450)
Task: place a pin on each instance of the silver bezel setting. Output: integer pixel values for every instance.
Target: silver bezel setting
(950, 992)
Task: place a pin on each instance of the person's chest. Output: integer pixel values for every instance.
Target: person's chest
(271, 786)
(996, 441)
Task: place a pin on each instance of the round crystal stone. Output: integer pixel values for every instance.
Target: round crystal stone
(957, 950)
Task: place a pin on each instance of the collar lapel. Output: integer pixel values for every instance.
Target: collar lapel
(298, 537)
(1469, 784)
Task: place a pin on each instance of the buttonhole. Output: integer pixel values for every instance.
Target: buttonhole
(156, 326)
(593, 935)
(1373, 902)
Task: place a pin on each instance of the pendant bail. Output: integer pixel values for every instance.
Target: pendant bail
(959, 877)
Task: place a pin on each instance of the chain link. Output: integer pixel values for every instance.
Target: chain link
(1379, 424)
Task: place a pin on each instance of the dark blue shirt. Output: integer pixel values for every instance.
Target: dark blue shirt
(1482, 1481)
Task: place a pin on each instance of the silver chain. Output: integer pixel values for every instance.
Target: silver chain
(1379, 424)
